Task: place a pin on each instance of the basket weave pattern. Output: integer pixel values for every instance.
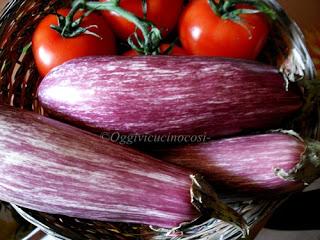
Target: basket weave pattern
(19, 78)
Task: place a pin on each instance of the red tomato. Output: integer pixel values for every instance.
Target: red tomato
(50, 49)
(202, 32)
(163, 13)
(176, 51)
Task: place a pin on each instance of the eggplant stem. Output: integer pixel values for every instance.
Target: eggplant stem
(207, 202)
(308, 169)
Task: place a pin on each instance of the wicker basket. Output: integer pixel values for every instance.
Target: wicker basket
(19, 80)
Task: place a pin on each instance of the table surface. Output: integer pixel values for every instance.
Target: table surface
(311, 8)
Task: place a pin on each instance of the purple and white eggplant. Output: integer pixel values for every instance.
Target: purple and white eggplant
(168, 95)
(52, 167)
(275, 162)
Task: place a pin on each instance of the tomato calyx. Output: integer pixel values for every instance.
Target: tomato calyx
(68, 28)
(148, 44)
(166, 51)
(227, 9)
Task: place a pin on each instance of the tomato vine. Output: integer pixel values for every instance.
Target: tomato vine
(148, 44)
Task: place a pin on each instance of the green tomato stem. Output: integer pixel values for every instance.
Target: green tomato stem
(144, 9)
(71, 28)
(226, 8)
(69, 18)
(214, 6)
(113, 6)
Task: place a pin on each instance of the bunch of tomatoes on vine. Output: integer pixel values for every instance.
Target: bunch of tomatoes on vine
(220, 28)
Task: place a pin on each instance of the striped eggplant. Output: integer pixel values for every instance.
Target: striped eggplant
(168, 95)
(273, 162)
(52, 167)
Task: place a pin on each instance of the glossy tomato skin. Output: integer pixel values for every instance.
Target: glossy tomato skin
(176, 51)
(204, 33)
(50, 49)
(163, 13)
